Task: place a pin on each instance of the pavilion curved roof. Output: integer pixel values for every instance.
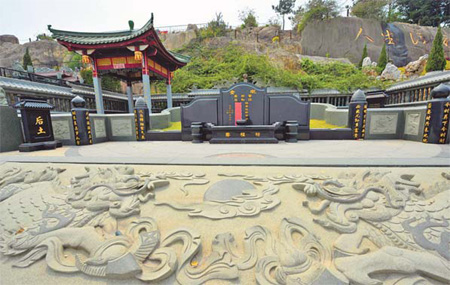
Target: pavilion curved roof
(117, 39)
(88, 38)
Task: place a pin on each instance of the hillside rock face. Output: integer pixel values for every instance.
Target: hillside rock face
(43, 53)
(346, 37)
(178, 40)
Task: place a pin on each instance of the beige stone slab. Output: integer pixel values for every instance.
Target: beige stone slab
(222, 224)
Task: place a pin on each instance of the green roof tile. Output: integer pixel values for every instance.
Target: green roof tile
(99, 38)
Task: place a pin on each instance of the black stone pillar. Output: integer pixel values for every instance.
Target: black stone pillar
(37, 125)
(81, 122)
(437, 116)
(141, 119)
(357, 114)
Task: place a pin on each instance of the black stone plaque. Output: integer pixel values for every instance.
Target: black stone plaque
(243, 102)
(37, 125)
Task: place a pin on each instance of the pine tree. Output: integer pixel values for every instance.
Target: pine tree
(383, 59)
(364, 55)
(436, 60)
(27, 59)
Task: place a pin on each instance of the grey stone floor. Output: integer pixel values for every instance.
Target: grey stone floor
(304, 153)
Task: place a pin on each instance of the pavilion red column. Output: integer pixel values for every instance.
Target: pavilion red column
(169, 92)
(146, 81)
(97, 89)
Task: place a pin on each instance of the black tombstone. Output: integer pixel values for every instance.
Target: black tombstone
(245, 113)
(141, 119)
(357, 114)
(81, 122)
(437, 116)
(37, 125)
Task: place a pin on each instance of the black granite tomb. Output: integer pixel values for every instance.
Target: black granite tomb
(245, 113)
(36, 125)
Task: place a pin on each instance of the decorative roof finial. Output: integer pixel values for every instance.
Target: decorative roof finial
(131, 25)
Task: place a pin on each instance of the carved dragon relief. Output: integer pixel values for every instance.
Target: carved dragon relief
(411, 232)
(377, 206)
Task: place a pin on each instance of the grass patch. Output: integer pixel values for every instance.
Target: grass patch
(174, 126)
(321, 124)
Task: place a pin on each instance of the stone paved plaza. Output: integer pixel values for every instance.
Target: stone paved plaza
(305, 153)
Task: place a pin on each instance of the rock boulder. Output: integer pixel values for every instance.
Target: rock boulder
(391, 72)
(415, 68)
(8, 39)
(43, 53)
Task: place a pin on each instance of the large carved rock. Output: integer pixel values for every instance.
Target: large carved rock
(341, 37)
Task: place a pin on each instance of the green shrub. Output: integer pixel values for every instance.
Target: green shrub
(215, 28)
(382, 60)
(108, 82)
(364, 55)
(27, 59)
(436, 60)
(209, 67)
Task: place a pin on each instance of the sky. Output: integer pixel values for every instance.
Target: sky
(28, 18)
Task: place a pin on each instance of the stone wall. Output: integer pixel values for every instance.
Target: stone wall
(396, 123)
(10, 129)
(329, 113)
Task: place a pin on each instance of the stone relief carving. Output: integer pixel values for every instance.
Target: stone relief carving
(99, 127)
(412, 233)
(121, 127)
(412, 124)
(383, 124)
(231, 198)
(385, 226)
(61, 129)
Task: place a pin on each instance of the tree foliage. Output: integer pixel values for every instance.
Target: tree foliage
(109, 82)
(41, 37)
(425, 12)
(436, 60)
(248, 18)
(284, 7)
(27, 59)
(215, 28)
(315, 10)
(370, 9)
(211, 67)
(382, 59)
(364, 55)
